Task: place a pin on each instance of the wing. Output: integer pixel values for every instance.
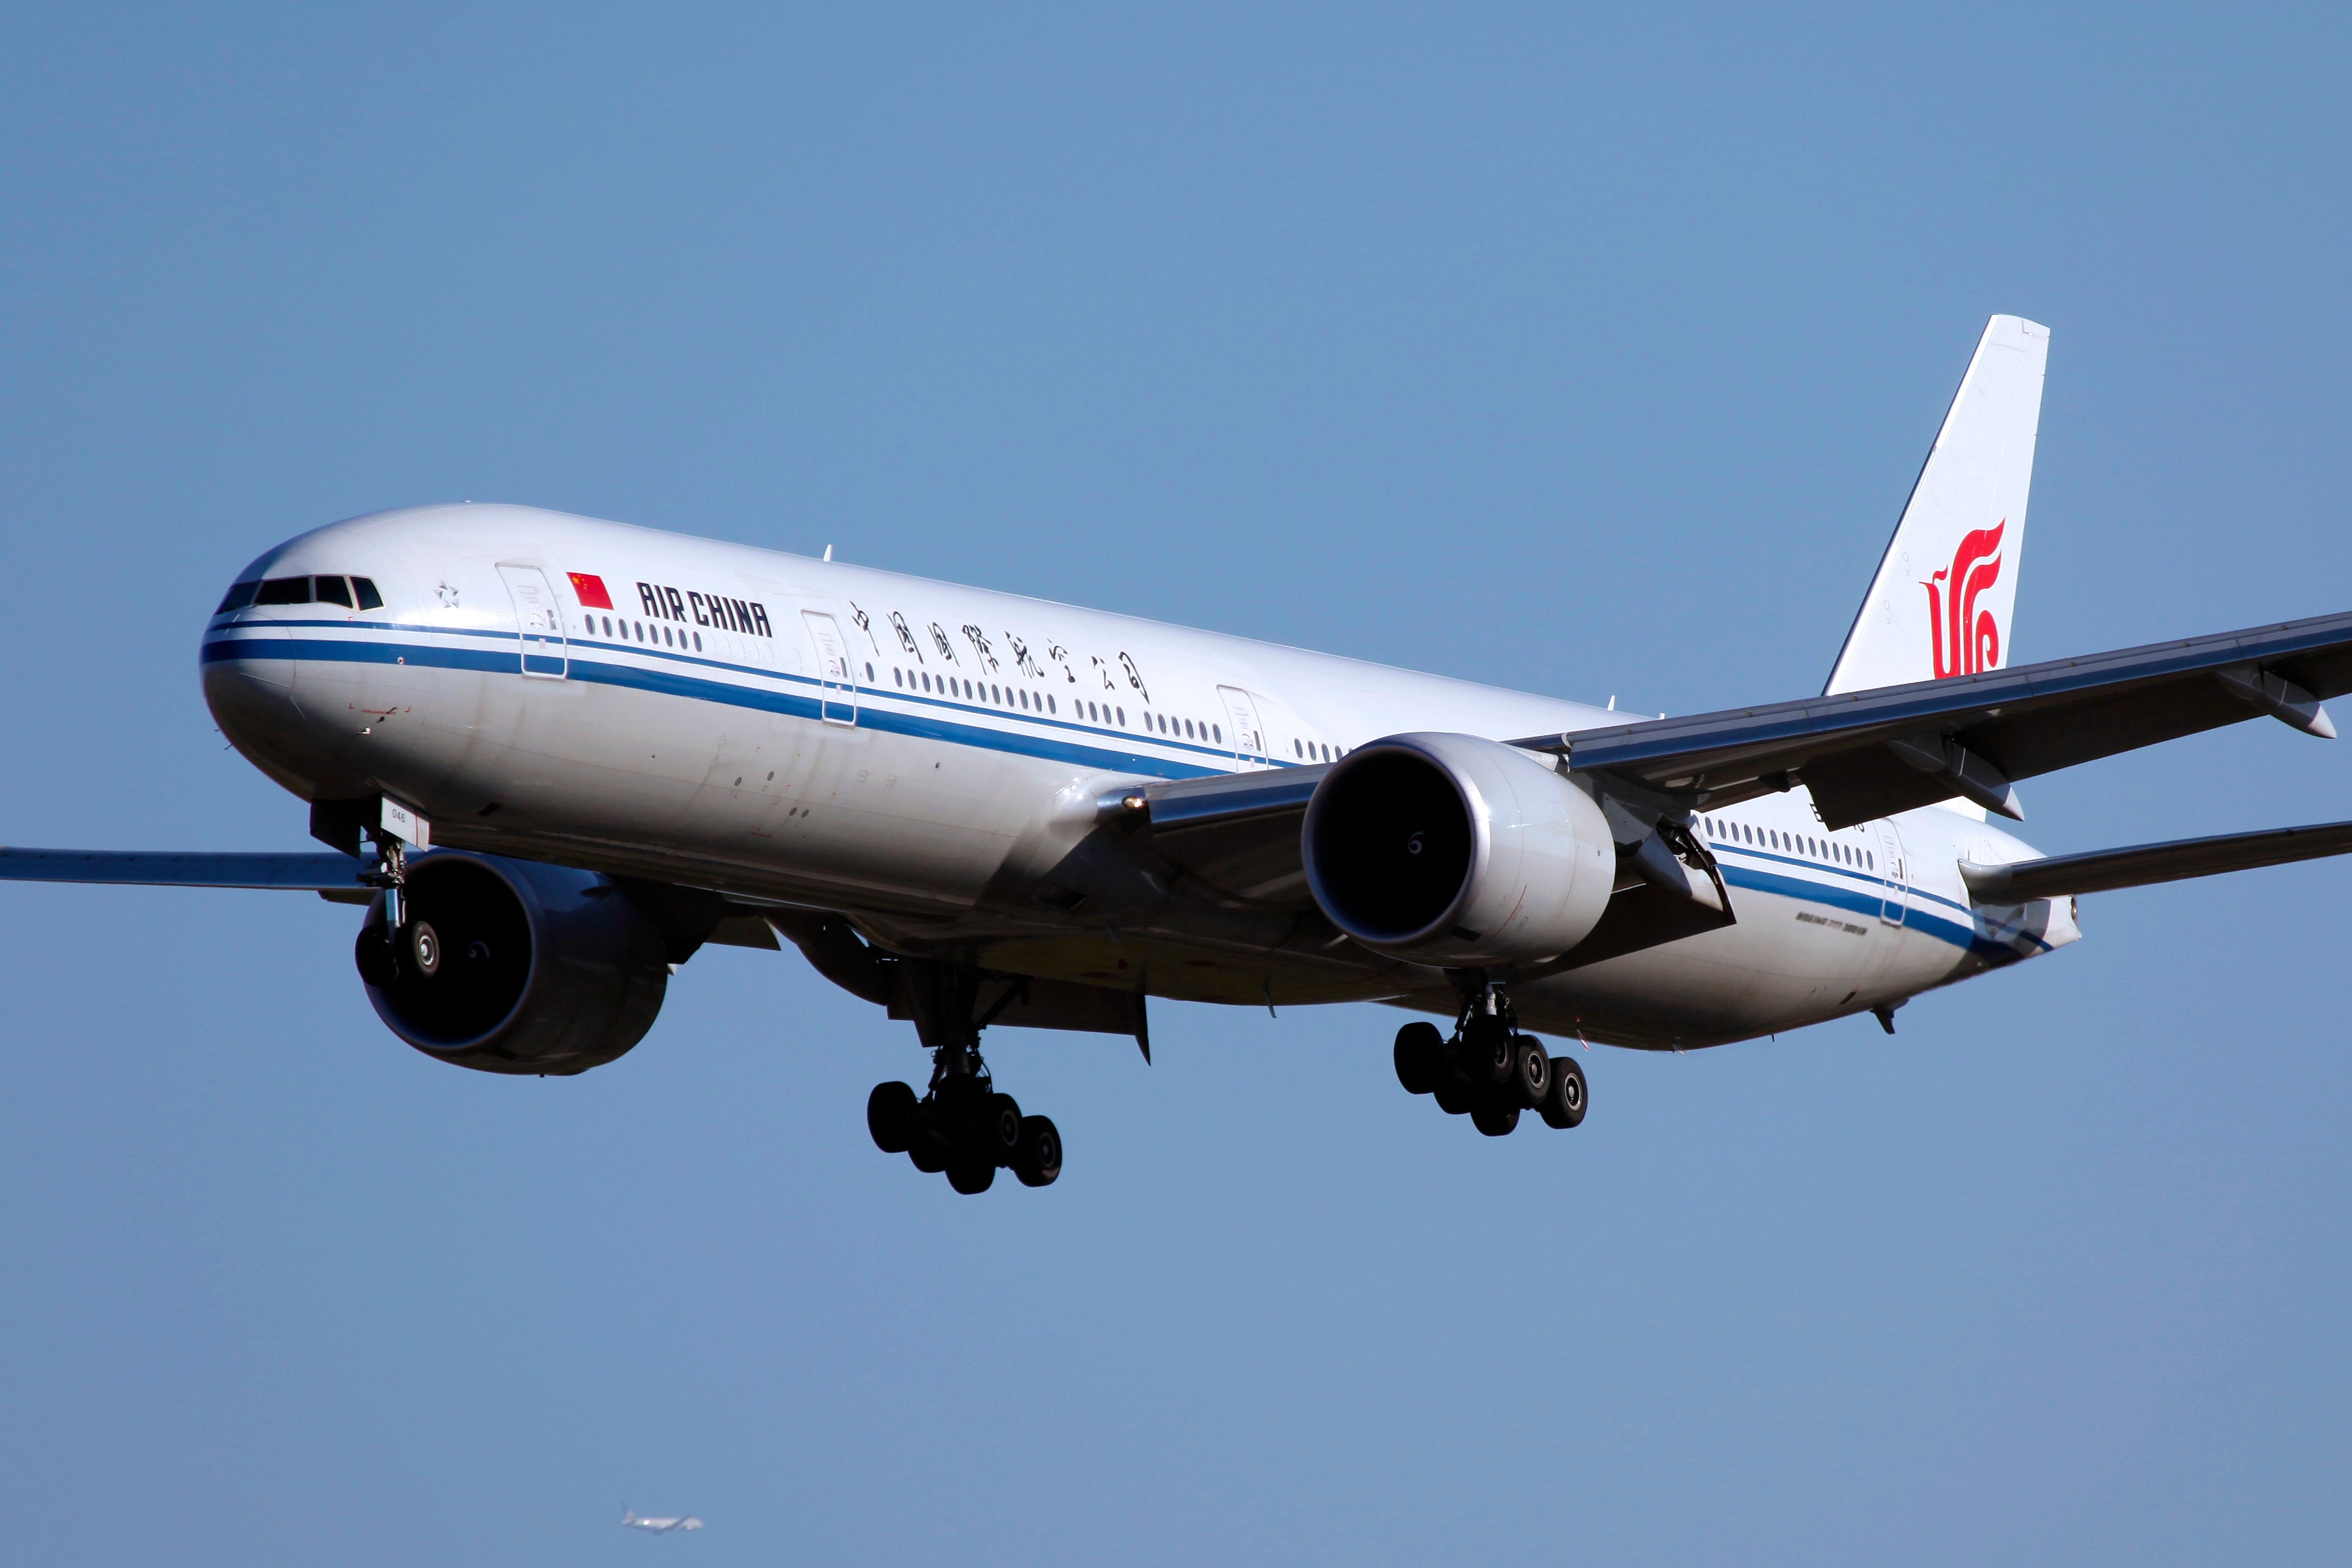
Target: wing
(335, 877)
(2022, 881)
(1867, 754)
(1232, 837)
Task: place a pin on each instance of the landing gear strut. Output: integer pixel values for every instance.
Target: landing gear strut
(1487, 1069)
(962, 1125)
(405, 942)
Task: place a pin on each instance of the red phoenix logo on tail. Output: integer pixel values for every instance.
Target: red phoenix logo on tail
(1953, 621)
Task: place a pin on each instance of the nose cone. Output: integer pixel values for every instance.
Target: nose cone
(252, 655)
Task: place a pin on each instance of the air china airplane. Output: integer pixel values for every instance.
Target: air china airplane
(552, 757)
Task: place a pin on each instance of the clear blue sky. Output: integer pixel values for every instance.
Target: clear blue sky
(1587, 355)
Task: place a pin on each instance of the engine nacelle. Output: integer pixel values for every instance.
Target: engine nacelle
(1453, 850)
(528, 968)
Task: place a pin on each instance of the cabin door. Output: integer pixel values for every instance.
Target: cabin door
(838, 699)
(1894, 879)
(1249, 734)
(540, 620)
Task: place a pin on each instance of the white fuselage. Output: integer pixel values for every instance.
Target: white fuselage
(923, 756)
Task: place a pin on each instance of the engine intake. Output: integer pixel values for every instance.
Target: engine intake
(1455, 850)
(513, 966)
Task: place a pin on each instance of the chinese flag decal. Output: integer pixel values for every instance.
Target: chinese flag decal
(590, 589)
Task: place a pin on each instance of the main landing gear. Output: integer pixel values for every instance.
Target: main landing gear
(965, 1127)
(962, 1125)
(1490, 1071)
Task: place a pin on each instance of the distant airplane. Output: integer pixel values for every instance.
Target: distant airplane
(658, 1526)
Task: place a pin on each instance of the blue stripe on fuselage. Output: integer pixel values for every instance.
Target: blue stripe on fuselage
(942, 723)
(934, 719)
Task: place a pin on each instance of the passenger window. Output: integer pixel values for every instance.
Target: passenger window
(284, 591)
(238, 597)
(332, 591)
(1218, 731)
(1122, 718)
(1050, 708)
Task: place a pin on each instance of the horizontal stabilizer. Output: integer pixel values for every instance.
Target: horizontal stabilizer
(2024, 880)
(308, 872)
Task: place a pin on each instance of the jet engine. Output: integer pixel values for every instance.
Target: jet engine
(513, 966)
(1449, 849)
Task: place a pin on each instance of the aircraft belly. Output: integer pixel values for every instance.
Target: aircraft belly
(1789, 962)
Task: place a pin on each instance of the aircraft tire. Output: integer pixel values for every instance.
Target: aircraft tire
(1039, 1163)
(378, 959)
(891, 1114)
(971, 1177)
(1452, 1098)
(1530, 1071)
(1420, 1057)
(998, 1136)
(1570, 1096)
(420, 949)
(1483, 1055)
(1495, 1120)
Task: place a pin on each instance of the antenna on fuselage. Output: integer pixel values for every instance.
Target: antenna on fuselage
(828, 553)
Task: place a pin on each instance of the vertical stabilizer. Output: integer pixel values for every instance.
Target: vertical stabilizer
(1940, 603)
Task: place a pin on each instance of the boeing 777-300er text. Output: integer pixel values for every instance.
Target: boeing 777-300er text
(554, 756)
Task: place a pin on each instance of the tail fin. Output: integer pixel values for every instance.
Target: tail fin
(1940, 603)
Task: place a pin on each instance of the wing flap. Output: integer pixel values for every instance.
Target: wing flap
(2140, 865)
(1864, 754)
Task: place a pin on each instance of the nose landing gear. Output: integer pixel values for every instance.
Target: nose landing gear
(1488, 1071)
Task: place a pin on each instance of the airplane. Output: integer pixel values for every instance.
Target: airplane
(554, 756)
(658, 1526)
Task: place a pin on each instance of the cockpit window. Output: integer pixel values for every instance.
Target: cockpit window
(238, 597)
(285, 591)
(369, 598)
(333, 591)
